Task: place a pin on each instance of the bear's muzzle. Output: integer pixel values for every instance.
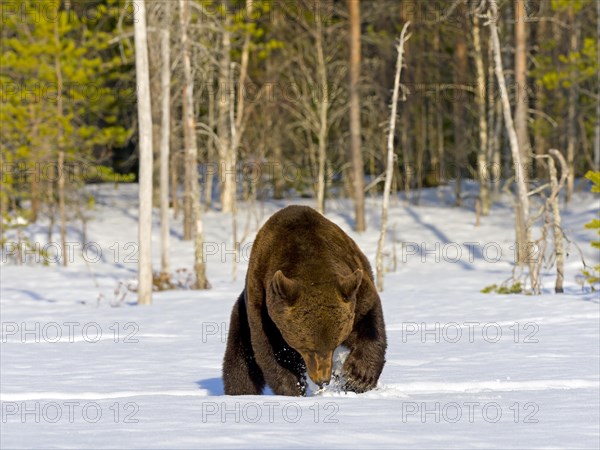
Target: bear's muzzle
(319, 366)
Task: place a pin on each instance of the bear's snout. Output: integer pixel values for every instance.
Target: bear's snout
(319, 366)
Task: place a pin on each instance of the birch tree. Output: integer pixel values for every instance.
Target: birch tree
(390, 159)
(572, 104)
(237, 130)
(323, 107)
(190, 174)
(165, 135)
(553, 204)
(316, 79)
(523, 228)
(191, 149)
(145, 149)
(227, 156)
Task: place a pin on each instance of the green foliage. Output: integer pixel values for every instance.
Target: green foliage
(24, 251)
(559, 68)
(256, 26)
(55, 85)
(592, 275)
(515, 288)
(564, 5)
(594, 177)
(571, 67)
(105, 174)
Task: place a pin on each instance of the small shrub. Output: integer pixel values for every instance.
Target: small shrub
(515, 288)
(592, 275)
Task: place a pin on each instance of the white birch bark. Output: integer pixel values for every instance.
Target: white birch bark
(323, 106)
(192, 150)
(145, 149)
(164, 140)
(522, 201)
(390, 159)
(556, 187)
(227, 175)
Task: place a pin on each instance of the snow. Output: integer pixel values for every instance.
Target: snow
(464, 369)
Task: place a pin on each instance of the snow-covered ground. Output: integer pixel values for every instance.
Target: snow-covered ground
(464, 369)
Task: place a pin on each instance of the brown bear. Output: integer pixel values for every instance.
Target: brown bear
(308, 290)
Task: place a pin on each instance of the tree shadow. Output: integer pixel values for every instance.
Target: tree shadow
(443, 239)
(31, 294)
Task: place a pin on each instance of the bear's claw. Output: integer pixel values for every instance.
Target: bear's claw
(358, 381)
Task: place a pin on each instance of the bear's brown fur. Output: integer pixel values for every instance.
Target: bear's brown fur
(309, 289)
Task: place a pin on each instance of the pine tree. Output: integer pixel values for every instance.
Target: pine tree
(57, 70)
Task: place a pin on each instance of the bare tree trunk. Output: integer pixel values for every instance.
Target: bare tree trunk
(189, 170)
(35, 199)
(420, 148)
(556, 220)
(521, 94)
(61, 153)
(51, 210)
(237, 129)
(390, 158)
(495, 126)
(189, 126)
(572, 107)
(459, 111)
(35, 181)
(406, 155)
(520, 120)
(433, 139)
(278, 181)
(482, 162)
(235, 140)
(437, 156)
(541, 144)
(210, 173)
(174, 169)
(439, 123)
(540, 141)
(234, 223)
(323, 106)
(61, 205)
(165, 135)
(154, 53)
(239, 118)
(522, 200)
(227, 174)
(355, 135)
(145, 149)
(496, 147)
(419, 132)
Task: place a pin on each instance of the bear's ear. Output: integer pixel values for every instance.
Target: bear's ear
(350, 283)
(285, 287)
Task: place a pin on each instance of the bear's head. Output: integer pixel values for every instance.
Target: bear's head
(314, 318)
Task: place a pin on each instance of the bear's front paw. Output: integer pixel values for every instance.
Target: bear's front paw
(359, 376)
(289, 385)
